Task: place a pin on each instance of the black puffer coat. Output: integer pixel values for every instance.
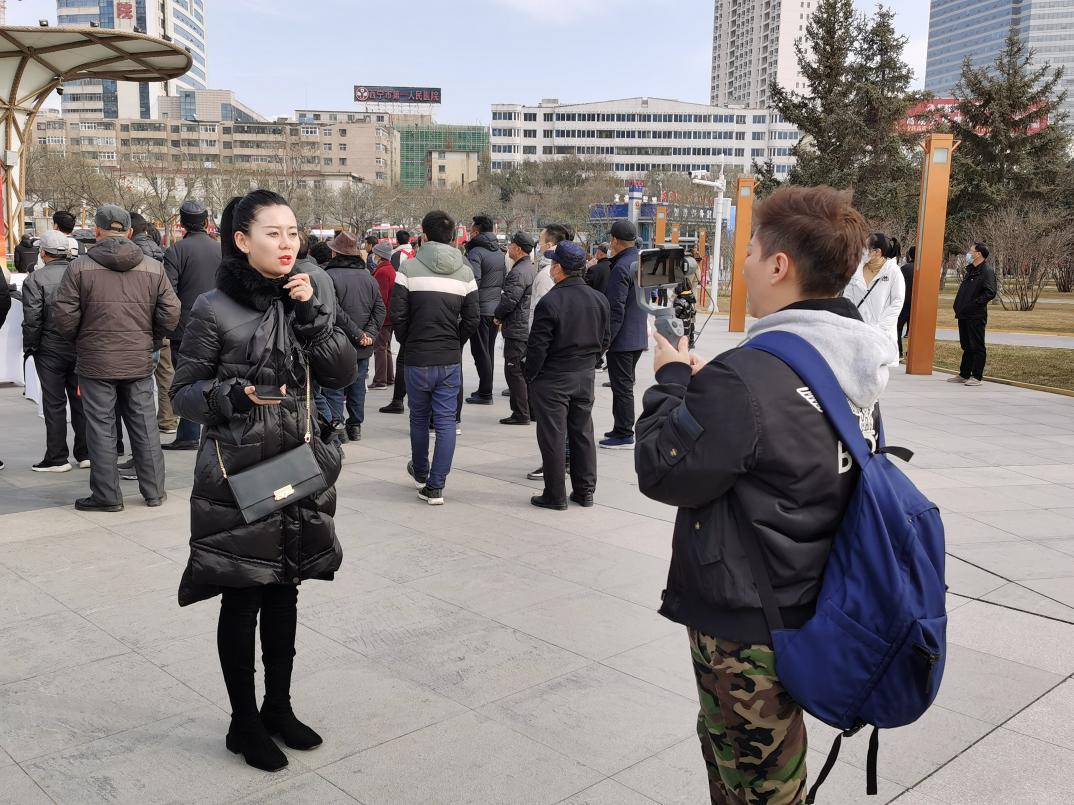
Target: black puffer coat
(248, 332)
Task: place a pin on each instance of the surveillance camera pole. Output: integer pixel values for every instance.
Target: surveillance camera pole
(717, 239)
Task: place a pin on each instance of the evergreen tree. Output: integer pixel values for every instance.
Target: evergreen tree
(824, 112)
(1003, 159)
(767, 181)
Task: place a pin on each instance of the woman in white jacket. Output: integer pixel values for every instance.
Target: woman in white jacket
(877, 287)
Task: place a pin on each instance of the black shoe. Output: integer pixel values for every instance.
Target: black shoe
(584, 499)
(339, 431)
(541, 502)
(354, 433)
(126, 465)
(394, 407)
(179, 446)
(254, 743)
(154, 502)
(513, 420)
(419, 482)
(537, 474)
(505, 393)
(295, 734)
(607, 385)
(434, 497)
(474, 399)
(91, 505)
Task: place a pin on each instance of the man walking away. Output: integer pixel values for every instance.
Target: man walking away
(403, 251)
(908, 281)
(978, 288)
(487, 261)
(360, 312)
(54, 358)
(435, 311)
(570, 330)
(64, 223)
(513, 317)
(629, 335)
(113, 302)
(384, 275)
(191, 265)
(741, 447)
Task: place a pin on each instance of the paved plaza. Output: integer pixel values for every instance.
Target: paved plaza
(490, 652)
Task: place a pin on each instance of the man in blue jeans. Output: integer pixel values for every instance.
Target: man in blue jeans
(435, 311)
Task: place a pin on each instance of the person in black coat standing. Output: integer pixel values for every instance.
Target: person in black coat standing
(513, 319)
(360, 313)
(570, 330)
(489, 266)
(263, 324)
(596, 277)
(26, 254)
(630, 336)
(908, 280)
(978, 288)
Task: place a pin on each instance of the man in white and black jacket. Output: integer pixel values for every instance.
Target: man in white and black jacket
(740, 445)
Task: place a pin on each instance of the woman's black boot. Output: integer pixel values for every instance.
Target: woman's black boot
(279, 622)
(249, 738)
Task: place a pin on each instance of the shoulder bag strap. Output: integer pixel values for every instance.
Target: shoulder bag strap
(871, 287)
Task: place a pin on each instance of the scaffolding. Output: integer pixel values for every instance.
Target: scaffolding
(418, 140)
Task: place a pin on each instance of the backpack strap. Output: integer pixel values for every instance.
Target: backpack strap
(809, 364)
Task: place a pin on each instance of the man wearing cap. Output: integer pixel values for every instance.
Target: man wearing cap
(113, 302)
(191, 265)
(512, 316)
(380, 259)
(570, 330)
(629, 333)
(360, 313)
(54, 357)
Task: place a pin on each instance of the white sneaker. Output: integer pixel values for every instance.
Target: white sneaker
(84, 464)
(169, 430)
(973, 381)
(956, 379)
(43, 467)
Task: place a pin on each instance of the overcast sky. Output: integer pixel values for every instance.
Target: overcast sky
(479, 52)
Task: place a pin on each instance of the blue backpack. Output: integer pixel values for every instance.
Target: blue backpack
(873, 654)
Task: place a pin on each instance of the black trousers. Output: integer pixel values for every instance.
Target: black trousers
(901, 328)
(564, 406)
(483, 348)
(514, 350)
(621, 366)
(971, 335)
(239, 608)
(59, 388)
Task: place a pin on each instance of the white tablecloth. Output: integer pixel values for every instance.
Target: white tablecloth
(11, 340)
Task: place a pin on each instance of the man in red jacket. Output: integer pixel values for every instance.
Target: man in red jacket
(384, 274)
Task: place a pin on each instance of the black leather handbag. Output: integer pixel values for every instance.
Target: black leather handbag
(272, 484)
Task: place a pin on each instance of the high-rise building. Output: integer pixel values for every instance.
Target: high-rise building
(959, 30)
(439, 155)
(183, 21)
(753, 45)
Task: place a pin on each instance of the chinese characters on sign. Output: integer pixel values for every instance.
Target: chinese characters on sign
(364, 94)
(124, 11)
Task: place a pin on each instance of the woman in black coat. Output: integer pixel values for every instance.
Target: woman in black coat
(262, 325)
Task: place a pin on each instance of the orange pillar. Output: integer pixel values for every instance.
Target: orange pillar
(661, 235)
(931, 228)
(675, 230)
(743, 232)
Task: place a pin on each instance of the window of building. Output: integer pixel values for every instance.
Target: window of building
(343, 161)
(342, 146)
(328, 160)
(327, 148)
(529, 149)
(381, 176)
(530, 117)
(441, 169)
(309, 131)
(342, 132)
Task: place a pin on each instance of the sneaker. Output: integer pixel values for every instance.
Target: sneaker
(957, 379)
(973, 381)
(1, 463)
(607, 384)
(394, 407)
(84, 464)
(418, 482)
(618, 443)
(43, 467)
(173, 429)
(458, 430)
(505, 393)
(434, 497)
(537, 474)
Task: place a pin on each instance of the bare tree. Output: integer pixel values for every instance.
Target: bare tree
(1028, 241)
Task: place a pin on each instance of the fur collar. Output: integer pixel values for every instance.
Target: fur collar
(242, 283)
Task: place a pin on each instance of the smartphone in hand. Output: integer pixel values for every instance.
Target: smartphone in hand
(269, 393)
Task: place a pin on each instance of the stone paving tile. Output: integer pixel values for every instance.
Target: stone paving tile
(20, 600)
(1041, 603)
(608, 792)
(52, 643)
(1019, 561)
(665, 662)
(18, 788)
(672, 777)
(961, 529)
(1029, 523)
(1050, 719)
(1017, 636)
(304, 788)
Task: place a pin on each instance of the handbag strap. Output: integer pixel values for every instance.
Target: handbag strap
(871, 287)
(309, 425)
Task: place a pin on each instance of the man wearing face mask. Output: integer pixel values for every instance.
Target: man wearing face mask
(978, 288)
(513, 317)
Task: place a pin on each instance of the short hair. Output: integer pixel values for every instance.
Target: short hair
(402, 237)
(559, 232)
(438, 226)
(483, 223)
(982, 249)
(819, 229)
(64, 221)
(602, 247)
(320, 252)
(878, 240)
(371, 240)
(138, 224)
(911, 253)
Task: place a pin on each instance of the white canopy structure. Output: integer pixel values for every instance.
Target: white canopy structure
(35, 61)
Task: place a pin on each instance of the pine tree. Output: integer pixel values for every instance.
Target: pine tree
(767, 181)
(1002, 158)
(825, 111)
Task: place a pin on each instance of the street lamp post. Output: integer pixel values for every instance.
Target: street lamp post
(717, 239)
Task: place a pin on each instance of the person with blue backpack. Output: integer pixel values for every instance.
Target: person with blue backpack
(807, 569)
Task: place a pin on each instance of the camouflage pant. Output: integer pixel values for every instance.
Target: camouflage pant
(752, 733)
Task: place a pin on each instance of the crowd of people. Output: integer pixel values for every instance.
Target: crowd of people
(254, 350)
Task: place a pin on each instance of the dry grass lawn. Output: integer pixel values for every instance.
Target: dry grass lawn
(1056, 319)
(1043, 366)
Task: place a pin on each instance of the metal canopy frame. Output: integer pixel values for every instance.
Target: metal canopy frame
(35, 61)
